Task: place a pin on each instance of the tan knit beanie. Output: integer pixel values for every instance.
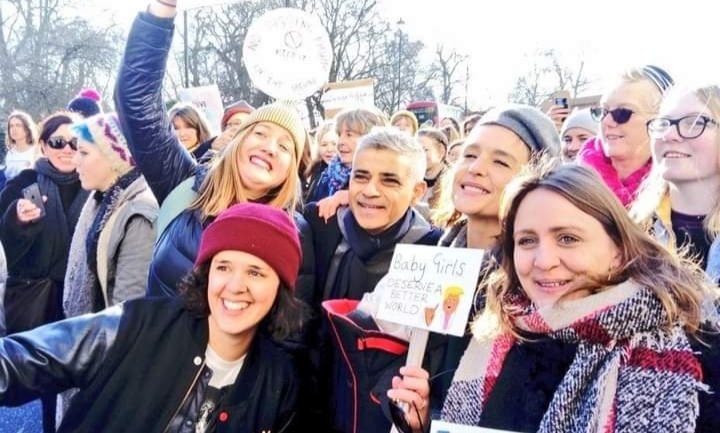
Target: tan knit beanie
(284, 116)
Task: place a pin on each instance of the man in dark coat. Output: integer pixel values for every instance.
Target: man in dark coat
(354, 248)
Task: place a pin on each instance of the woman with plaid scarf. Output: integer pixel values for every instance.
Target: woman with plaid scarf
(590, 324)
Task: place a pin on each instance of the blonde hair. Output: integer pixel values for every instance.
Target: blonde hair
(444, 214)
(453, 291)
(678, 283)
(31, 129)
(223, 186)
(655, 189)
(322, 131)
(650, 100)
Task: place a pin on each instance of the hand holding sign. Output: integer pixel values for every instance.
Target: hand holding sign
(426, 288)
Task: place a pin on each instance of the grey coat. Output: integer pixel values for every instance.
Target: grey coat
(123, 254)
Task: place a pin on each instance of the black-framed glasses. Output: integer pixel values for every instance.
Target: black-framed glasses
(687, 127)
(58, 142)
(620, 115)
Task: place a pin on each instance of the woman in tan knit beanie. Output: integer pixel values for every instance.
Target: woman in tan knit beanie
(260, 164)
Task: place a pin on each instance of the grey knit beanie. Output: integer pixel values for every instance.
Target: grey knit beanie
(533, 127)
(580, 119)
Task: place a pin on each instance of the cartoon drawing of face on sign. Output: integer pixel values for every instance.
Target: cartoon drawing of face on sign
(450, 302)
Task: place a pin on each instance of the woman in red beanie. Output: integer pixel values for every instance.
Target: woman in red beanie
(206, 363)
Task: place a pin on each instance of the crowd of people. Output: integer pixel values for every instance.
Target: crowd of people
(159, 279)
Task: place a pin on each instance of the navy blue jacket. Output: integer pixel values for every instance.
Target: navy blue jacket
(163, 160)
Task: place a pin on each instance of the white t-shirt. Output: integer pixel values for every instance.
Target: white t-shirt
(224, 372)
(16, 161)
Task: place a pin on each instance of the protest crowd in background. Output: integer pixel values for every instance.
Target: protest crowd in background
(528, 269)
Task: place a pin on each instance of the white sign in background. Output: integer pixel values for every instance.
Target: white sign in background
(430, 288)
(287, 53)
(347, 97)
(207, 99)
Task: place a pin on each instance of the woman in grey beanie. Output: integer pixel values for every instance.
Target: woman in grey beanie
(531, 125)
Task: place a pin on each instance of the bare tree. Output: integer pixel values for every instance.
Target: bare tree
(363, 44)
(546, 74)
(48, 56)
(447, 67)
(215, 38)
(399, 76)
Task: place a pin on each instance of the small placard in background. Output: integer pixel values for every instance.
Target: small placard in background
(206, 99)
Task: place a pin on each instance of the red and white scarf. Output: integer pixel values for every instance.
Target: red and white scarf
(628, 375)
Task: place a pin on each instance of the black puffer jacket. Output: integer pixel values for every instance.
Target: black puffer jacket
(163, 160)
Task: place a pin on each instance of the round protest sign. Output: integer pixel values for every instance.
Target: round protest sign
(287, 53)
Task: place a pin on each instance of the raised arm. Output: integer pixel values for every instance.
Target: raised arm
(138, 99)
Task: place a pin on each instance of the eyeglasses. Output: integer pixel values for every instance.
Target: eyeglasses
(619, 115)
(58, 142)
(687, 127)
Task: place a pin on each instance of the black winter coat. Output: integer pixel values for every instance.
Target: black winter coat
(27, 252)
(136, 364)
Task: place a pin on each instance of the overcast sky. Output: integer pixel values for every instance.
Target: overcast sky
(681, 36)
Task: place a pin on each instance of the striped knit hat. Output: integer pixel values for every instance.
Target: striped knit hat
(103, 130)
(284, 116)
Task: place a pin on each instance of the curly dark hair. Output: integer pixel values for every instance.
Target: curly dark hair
(286, 318)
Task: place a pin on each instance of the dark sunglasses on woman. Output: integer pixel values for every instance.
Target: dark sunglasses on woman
(619, 115)
(59, 143)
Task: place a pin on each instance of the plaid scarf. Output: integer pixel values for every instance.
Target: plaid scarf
(629, 374)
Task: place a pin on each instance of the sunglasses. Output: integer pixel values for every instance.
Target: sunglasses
(619, 115)
(59, 143)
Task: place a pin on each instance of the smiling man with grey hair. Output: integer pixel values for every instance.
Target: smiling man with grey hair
(353, 249)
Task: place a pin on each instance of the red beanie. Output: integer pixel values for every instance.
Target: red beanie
(233, 109)
(261, 230)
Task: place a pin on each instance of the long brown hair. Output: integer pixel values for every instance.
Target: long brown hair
(223, 186)
(31, 129)
(679, 284)
(194, 119)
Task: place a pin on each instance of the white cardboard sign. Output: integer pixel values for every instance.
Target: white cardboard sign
(287, 53)
(348, 94)
(446, 427)
(207, 99)
(430, 288)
